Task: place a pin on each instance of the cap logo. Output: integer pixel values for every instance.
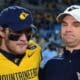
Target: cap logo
(72, 8)
(23, 15)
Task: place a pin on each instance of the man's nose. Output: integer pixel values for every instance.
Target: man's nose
(69, 28)
(23, 37)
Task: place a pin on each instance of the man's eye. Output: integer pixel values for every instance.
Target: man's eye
(64, 24)
(77, 24)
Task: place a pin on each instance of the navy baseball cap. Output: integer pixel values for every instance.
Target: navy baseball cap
(16, 18)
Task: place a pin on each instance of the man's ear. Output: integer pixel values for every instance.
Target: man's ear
(1, 32)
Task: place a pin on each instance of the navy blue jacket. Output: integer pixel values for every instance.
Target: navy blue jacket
(66, 67)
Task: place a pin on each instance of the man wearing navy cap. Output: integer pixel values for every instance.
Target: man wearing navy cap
(67, 66)
(18, 60)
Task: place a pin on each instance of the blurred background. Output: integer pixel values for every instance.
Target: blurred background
(44, 16)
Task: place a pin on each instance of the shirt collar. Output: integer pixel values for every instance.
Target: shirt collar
(14, 58)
